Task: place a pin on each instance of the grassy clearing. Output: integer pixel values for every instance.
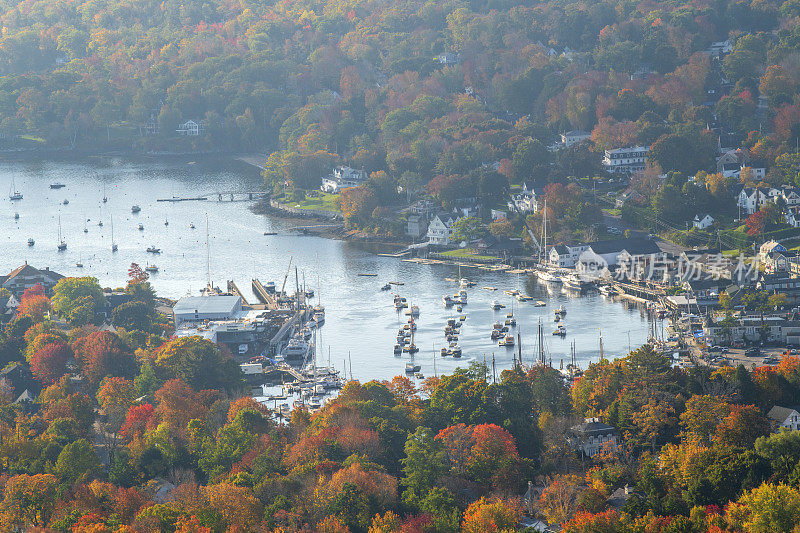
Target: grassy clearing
(324, 202)
(467, 253)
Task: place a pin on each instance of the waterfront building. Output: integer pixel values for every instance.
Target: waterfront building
(440, 230)
(201, 308)
(26, 276)
(343, 178)
(191, 128)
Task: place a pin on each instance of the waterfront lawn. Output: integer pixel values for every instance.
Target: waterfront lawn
(322, 202)
(467, 253)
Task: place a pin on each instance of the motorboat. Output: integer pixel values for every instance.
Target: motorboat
(454, 350)
(548, 276)
(419, 375)
(57, 185)
(296, 348)
(166, 222)
(31, 242)
(135, 209)
(497, 326)
(141, 227)
(511, 321)
(496, 305)
(151, 268)
(451, 322)
(413, 311)
(398, 349)
(561, 330)
(191, 225)
(523, 298)
(539, 303)
(153, 250)
(65, 202)
(507, 341)
(560, 310)
(496, 334)
(448, 301)
(462, 318)
(444, 352)
(386, 287)
(16, 216)
(79, 265)
(511, 292)
(464, 282)
(412, 367)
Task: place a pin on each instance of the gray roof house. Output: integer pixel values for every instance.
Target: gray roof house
(201, 308)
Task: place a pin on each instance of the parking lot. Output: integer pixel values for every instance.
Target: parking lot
(766, 355)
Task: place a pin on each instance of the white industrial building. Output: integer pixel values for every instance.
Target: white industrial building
(201, 308)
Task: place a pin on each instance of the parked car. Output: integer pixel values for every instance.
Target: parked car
(752, 352)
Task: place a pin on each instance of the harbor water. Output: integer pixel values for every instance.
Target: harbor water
(361, 321)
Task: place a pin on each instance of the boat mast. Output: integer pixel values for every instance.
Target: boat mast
(208, 257)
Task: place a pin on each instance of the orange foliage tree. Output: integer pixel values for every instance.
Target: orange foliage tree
(490, 515)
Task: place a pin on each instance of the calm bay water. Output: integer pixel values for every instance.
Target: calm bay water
(361, 322)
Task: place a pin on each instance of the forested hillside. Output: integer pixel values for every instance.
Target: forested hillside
(414, 88)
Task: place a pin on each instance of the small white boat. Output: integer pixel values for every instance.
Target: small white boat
(153, 250)
(151, 268)
(496, 305)
(560, 310)
(16, 216)
(561, 330)
(31, 242)
(447, 301)
(191, 225)
(141, 227)
(419, 375)
(56, 185)
(65, 202)
(522, 298)
(454, 350)
(79, 264)
(135, 209)
(13, 193)
(411, 348)
(540, 303)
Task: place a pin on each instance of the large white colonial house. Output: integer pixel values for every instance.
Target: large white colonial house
(524, 201)
(440, 230)
(190, 128)
(565, 255)
(751, 199)
(573, 137)
(343, 178)
(625, 160)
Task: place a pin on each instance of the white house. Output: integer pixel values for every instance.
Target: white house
(573, 137)
(702, 221)
(769, 247)
(790, 195)
(343, 178)
(190, 128)
(607, 254)
(792, 216)
(625, 160)
(785, 417)
(440, 229)
(565, 255)
(524, 201)
(751, 199)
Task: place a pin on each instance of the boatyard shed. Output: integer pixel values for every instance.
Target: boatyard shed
(201, 308)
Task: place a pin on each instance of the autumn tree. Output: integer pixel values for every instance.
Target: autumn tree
(28, 501)
(103, 354)
(199, 363)
(77, 298)
(49, 362)
(491, 515)
(34, 303)
(357, 204)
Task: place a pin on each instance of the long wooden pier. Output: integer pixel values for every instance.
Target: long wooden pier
(263, 295)
(232, 287)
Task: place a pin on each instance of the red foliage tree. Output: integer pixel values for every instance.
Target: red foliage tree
(49, 363)
(138, 420)
(103, 354)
